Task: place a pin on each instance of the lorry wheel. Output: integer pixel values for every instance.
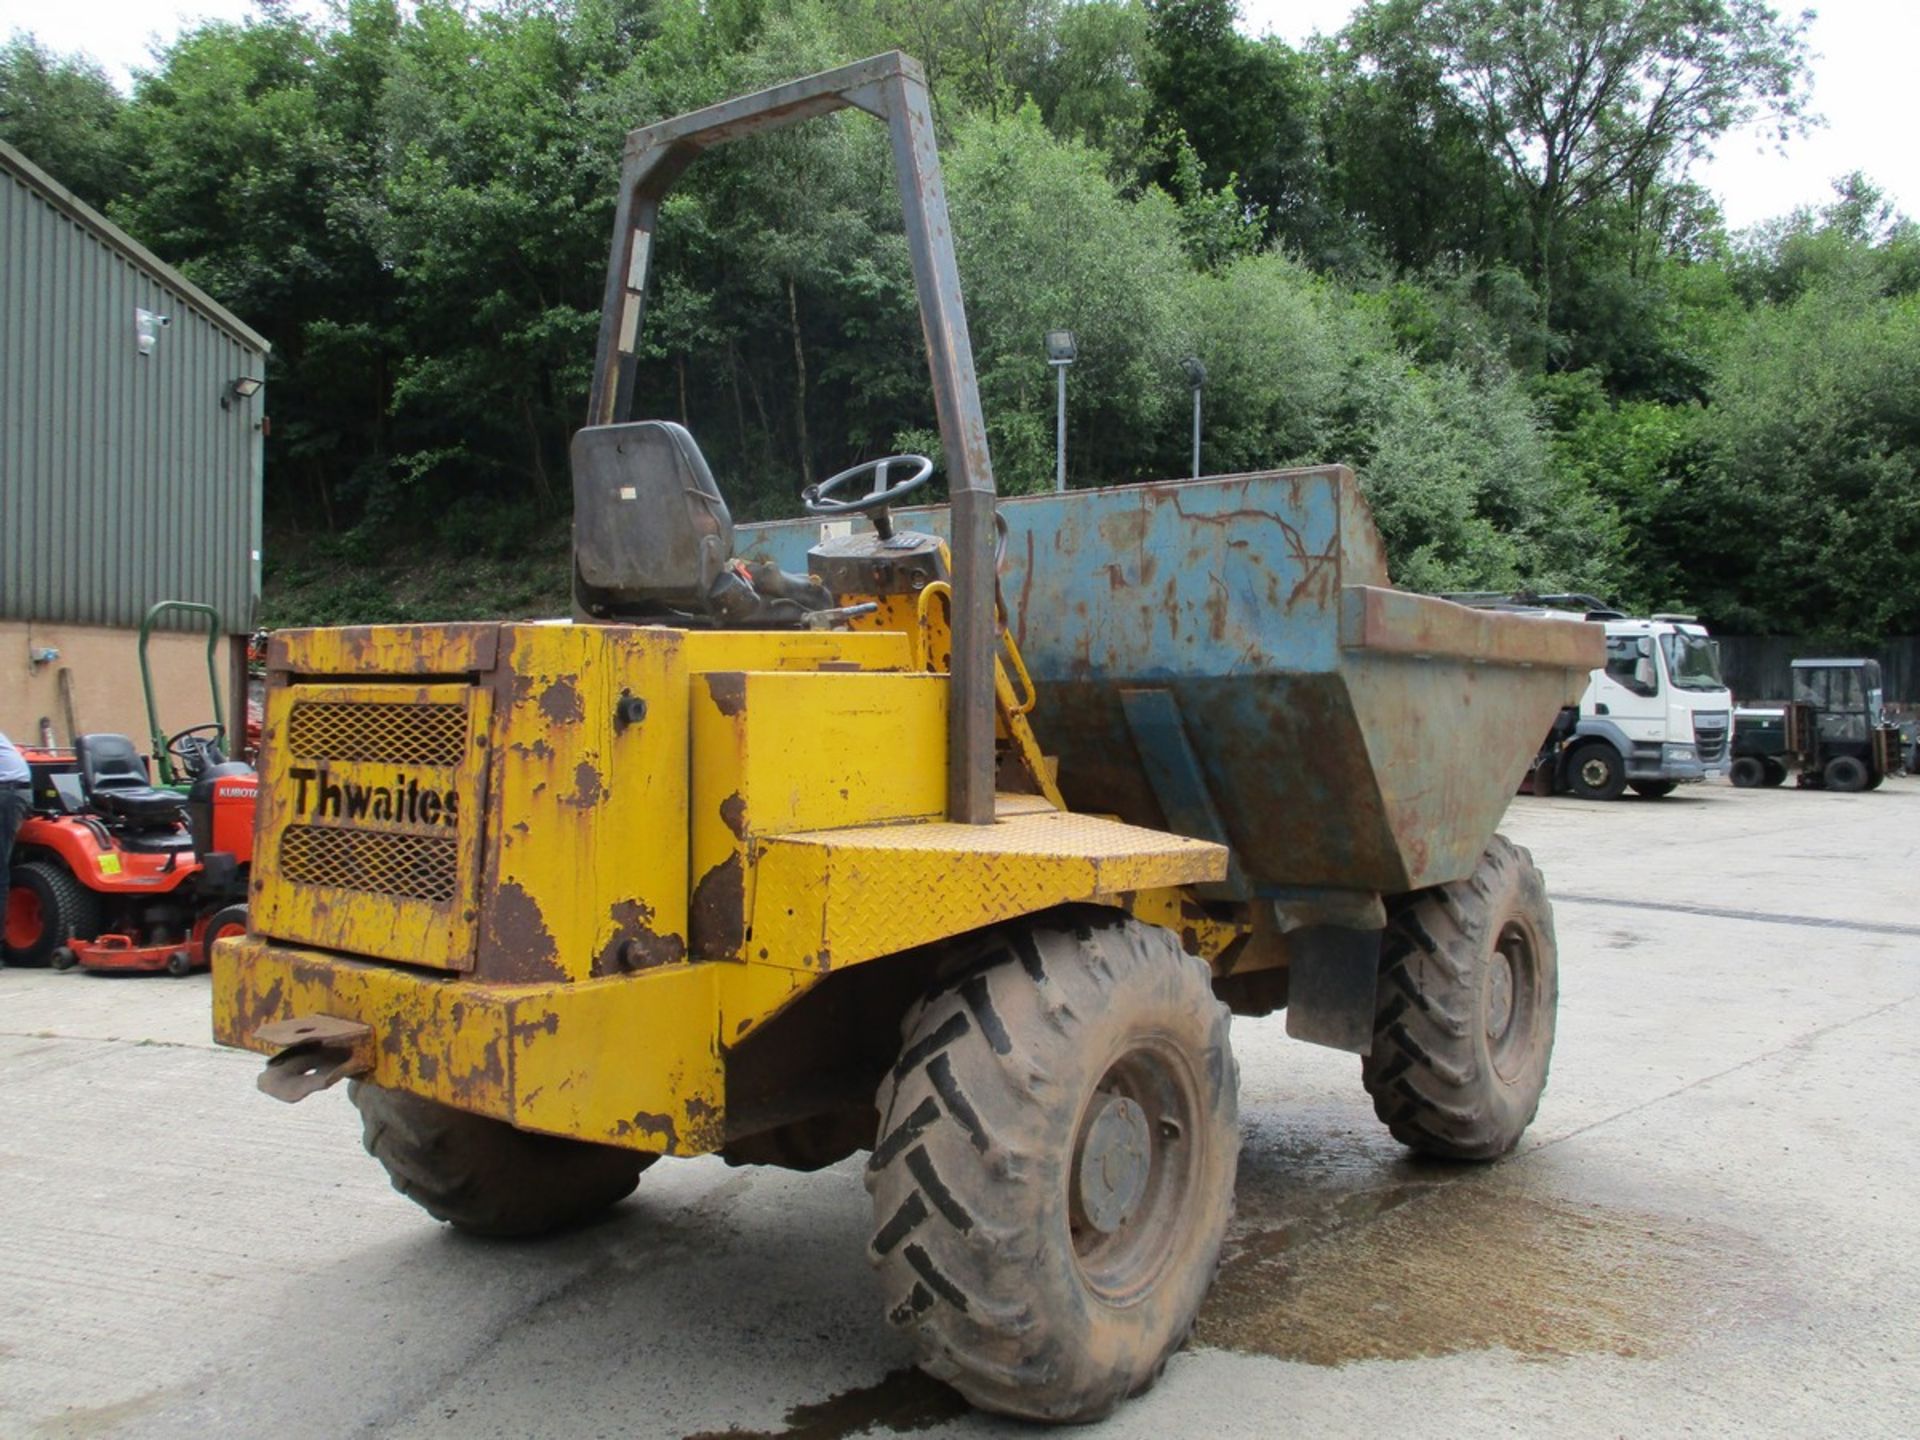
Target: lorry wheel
(1748, 772)
(1653, 789)
(1596, 773)
(47, 907)
(1846, 773)
(1776, 772)
(483, 1176)
(1055, 1168)
(1463, 1029)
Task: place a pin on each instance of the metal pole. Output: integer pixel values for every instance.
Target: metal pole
(1060, 431)
(1196, 432)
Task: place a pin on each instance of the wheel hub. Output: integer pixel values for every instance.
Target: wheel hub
(1499, 1002)
(24, 923)
(1594, 773)
(1116, 1158)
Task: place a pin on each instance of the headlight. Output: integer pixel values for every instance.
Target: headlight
(1677, 754)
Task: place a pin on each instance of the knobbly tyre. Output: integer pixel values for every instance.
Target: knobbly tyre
(797, 845)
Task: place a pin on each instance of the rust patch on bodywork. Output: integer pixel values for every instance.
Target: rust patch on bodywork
(635, 944)
(560, 702)
(729, 692)
(517, 944)
(586, 787)
(1319, 572)
(718, 916)
(525, 1030)
(733, 813)
(651, 1123)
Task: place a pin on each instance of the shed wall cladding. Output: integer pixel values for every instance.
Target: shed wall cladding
(122, 480)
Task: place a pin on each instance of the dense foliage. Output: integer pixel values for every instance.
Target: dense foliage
(1453, 245)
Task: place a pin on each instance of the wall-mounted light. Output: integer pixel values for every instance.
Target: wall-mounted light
(245, 388)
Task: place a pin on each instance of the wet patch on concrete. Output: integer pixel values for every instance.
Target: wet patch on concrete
(900, 1403)
(1426, 1267)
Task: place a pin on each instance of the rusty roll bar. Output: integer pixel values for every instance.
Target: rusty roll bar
(893, 88)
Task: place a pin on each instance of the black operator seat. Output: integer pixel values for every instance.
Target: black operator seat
(116, 784)
(653, 539)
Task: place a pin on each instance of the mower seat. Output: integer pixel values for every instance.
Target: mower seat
(116, 784)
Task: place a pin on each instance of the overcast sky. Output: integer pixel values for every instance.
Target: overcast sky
(1864, 50)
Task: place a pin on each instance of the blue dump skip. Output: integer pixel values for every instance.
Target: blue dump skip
(1226, 658)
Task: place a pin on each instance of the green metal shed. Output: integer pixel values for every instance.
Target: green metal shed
(131, 428)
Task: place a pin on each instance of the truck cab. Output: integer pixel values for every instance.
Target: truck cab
(1656, 715)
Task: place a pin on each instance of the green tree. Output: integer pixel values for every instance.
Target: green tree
(257, 171)
(1590, 100)
(1814, 463)
(63, 113)
(1404, 158)
(1046, 241)
(1246, 107)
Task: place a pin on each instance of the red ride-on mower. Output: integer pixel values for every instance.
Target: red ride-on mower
(111, 873)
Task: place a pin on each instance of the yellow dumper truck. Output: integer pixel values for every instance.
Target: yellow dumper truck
(786, 848)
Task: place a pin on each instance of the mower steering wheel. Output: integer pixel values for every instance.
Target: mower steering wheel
(819, 499)
(191, 752)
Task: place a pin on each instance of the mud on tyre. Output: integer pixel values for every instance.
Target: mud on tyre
(1055, 1165)
(483, 1176)
(1464, 1017)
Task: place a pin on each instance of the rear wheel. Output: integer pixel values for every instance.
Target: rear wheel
(1747, 772)
(1056, 1165)
(1596, 773)
(224, 924)
(482, 1175)
(1463, 1030)
(1653, 789)
(47, 907)
(1846, 773)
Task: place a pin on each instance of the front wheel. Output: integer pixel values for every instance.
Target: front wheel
(1846, 773)
(1464, 1021)
(1748, 772)
(1055, 1170)
(1596, 772)
(482, 1175)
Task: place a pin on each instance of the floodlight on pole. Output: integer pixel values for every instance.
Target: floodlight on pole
(1197, 377)
(1062, 351)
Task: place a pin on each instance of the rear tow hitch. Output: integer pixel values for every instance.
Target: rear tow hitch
(314, 1052)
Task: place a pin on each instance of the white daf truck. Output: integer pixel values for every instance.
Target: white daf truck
(1656, 715)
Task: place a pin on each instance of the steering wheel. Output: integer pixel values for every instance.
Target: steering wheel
(192, 752)
(820, 499)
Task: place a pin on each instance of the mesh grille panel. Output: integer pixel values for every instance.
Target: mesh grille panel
(416, 867)
(390, 733)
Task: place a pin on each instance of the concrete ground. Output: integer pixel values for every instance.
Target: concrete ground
(1713, 1227)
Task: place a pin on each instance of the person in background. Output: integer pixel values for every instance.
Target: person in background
(16, 798)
